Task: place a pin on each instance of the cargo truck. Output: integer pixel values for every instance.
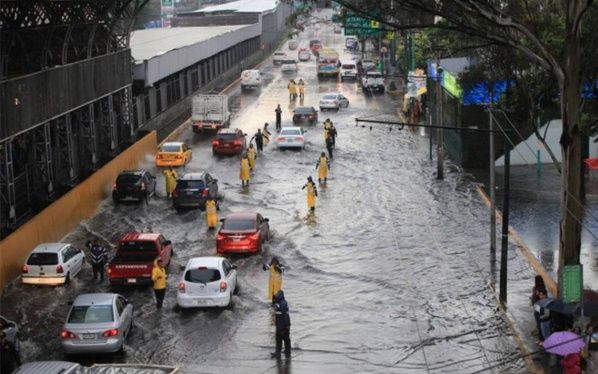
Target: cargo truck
(210, 112)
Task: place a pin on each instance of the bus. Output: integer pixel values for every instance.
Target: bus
(328, 63)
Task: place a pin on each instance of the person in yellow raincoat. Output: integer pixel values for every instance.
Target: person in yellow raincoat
(324, 164)
(251, 157)
(244, 173)
(211, 214)
(292, 90)
(159, 280)
(275, 277)
(312, 193)
(327, 125)
(171, 177)
(301, 89)
(266, 134)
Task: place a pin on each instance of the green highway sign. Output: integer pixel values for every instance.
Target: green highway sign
(361, 26)
(571, 283)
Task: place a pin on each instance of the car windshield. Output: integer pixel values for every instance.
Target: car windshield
(290, 132)
(190, 185)
(128, 179)
(137, 246)
(374, 75)
(288, 62)
(227, 137)
(202, 275)
(237, 224)
(91, 314)
(348, 66)
(303, 111)
(279, 54)
(170, 148)
(329, 97)
(43, 259)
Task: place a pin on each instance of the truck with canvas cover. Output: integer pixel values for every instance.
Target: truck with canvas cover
(328, 63)
(210, 112)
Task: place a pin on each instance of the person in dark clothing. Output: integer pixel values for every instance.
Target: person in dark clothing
(259, 141)
(98, 261)
(329, 145)
(9, 357)
(538, 285)
(332, 133)
(283, 325)
(278, 118)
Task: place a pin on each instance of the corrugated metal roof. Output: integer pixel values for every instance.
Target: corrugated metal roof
(149, 43)
(243, 6)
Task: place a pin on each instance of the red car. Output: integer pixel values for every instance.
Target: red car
(242, 232)
(229, 142)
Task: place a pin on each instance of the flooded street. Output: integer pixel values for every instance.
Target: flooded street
(391, 274)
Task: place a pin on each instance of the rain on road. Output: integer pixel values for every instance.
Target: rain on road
(391, 276)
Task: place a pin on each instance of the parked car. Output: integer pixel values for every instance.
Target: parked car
(293, 44)
(134, 184)
(135, 255)
(304, 54)
(291, 137)
(279, 57)
(193, 190)
(49, 367)
(207, 282)
(229, 142)
(305, 114)
(338, 29)
(11, 332)
(97, 323)
(242, 232)
(173, 154)
(348, 71)
(288, 66)
(333, 101)
(372, 81)
(52, 264)
(251, 79)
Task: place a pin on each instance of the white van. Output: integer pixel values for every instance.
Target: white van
(250, 79)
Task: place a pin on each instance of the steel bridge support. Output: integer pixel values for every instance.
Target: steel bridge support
(43, 160)
(7, 185)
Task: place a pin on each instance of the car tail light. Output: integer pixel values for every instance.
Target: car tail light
(280, 139)
(114, 187)
(237, 142)
(175, 193)
(334, 102)
(109, 333)
(223, 286)
(182, 287)
(310, 116)
(25, 269)
(220, 237)
(205, 192)
(178, 157)
(255, 236)
(299, 138)
(143, 186)
(215, 142)
(66, 334)
(59, 269)
(159, 156)
(109, 271)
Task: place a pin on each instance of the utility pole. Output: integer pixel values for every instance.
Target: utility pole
(439, 121)
(504, 258)
(492, 186)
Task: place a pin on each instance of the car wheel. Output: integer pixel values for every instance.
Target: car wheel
(237, 288)
(115, 199)
(121, 350)
(131, 329)
(67, 279)
(338, 108)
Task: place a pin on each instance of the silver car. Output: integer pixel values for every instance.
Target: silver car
(52, 264)
(49, 367)
(333, 102)
(291, 137)
(97, 323)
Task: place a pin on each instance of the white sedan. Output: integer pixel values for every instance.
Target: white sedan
(288, 66)
(333, 101)
(207, 282)
(291, 137)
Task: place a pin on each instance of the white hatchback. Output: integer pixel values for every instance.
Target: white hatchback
(207, 282)
(52, 264)
(291, 137)
(279, 57)
(333, 101)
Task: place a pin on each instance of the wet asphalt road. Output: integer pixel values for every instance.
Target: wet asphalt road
(390, 275)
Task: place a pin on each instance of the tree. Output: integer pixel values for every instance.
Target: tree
(557, 49)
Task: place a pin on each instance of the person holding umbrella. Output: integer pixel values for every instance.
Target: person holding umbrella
(542, 313)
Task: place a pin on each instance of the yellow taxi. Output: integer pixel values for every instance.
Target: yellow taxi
(173, 154)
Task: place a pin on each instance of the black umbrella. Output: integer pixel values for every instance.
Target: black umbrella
(558, 306)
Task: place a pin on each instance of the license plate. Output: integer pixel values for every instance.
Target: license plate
(42, 273)
(289, 140)
(89, 336)
(189, 193)
(131, 280)
(236, 240)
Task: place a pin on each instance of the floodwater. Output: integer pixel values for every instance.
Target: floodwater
(391, 273)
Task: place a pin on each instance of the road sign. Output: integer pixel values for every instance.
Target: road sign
(361, 26)
(375, 24)
(572, 283)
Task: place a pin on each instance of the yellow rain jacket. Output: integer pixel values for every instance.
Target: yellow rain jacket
(251, 157)
(266, 136)
(211, 214)
(171, 177)
(292, 88)
(323, 167)
(158, 276)
(274, 282)
(311, 195)
(244, 174)
(327, 126)
(301, 88)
